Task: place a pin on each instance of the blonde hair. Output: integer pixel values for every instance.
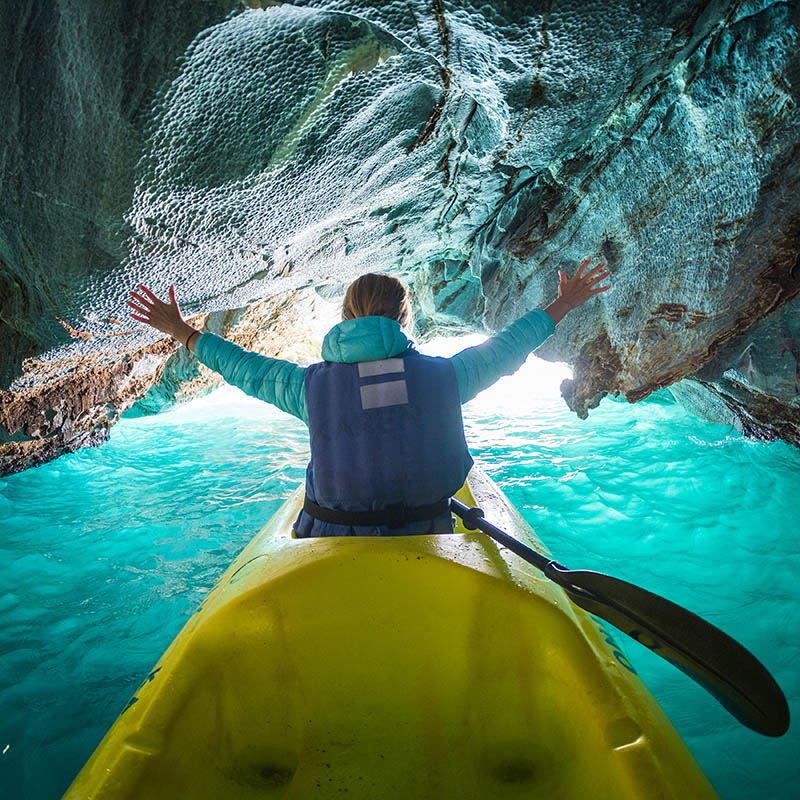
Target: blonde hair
(377, 295)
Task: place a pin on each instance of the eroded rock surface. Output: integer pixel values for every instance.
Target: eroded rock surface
(74, 404)
(245, 151)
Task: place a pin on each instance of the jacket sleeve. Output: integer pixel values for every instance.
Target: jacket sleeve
(280, 383)
(479, 367)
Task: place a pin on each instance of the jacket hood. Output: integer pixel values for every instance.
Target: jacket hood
(365, 339)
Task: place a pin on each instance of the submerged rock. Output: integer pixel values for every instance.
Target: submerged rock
(246, 151)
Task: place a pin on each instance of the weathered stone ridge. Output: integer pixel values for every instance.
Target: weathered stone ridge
(77, 85)
(248, 150)
(74, 405)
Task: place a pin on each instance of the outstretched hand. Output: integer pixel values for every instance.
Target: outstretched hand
(575, 291)
(165, 317)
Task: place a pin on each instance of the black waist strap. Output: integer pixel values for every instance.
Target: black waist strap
(393, 516)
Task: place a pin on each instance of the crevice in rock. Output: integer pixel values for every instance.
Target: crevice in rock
(444, 74)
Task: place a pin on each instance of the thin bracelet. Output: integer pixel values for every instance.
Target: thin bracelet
(189, 337)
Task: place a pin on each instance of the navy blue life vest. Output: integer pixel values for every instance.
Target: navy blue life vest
(383, 433)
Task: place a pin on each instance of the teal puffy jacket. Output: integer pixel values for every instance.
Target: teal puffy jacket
(282, 383)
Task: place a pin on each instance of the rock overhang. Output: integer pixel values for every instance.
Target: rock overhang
(471, 148)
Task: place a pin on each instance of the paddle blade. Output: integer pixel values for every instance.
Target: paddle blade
(712, 658)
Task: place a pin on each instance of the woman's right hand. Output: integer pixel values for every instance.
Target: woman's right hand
(575, 291)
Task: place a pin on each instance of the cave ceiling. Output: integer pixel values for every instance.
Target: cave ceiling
(260, 154)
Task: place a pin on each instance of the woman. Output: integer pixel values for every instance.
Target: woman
(387, 438)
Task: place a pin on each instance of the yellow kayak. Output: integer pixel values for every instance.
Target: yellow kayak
(400, 667)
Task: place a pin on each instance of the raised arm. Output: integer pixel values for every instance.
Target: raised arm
(479, 367)
(281, 383)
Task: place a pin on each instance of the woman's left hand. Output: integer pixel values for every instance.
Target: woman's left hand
(165, 317)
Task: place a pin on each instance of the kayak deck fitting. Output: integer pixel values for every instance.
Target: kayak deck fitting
(391, 667)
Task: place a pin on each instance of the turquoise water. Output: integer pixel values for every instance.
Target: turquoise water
(106, 552)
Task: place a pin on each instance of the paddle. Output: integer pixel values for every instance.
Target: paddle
(712, 658)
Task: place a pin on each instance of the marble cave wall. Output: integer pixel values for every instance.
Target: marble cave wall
(262, 154)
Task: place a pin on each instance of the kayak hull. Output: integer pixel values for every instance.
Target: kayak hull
(396, 667)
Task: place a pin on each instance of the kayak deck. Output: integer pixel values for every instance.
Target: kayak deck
(397, 667)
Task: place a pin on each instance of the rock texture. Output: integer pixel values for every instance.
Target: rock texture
(248, 150)
(72, 405)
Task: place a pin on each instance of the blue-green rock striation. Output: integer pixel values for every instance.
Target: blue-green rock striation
(267, 150)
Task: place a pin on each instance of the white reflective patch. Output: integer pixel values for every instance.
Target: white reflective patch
(380, 395)
(367, 369)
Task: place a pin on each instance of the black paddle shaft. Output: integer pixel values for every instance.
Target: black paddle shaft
(705, 653)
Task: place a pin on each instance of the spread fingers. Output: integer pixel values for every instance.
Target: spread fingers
(143, 300)
(594, 270)
(153, 297)
(585, 263)
(591, 281)
(139, 309)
